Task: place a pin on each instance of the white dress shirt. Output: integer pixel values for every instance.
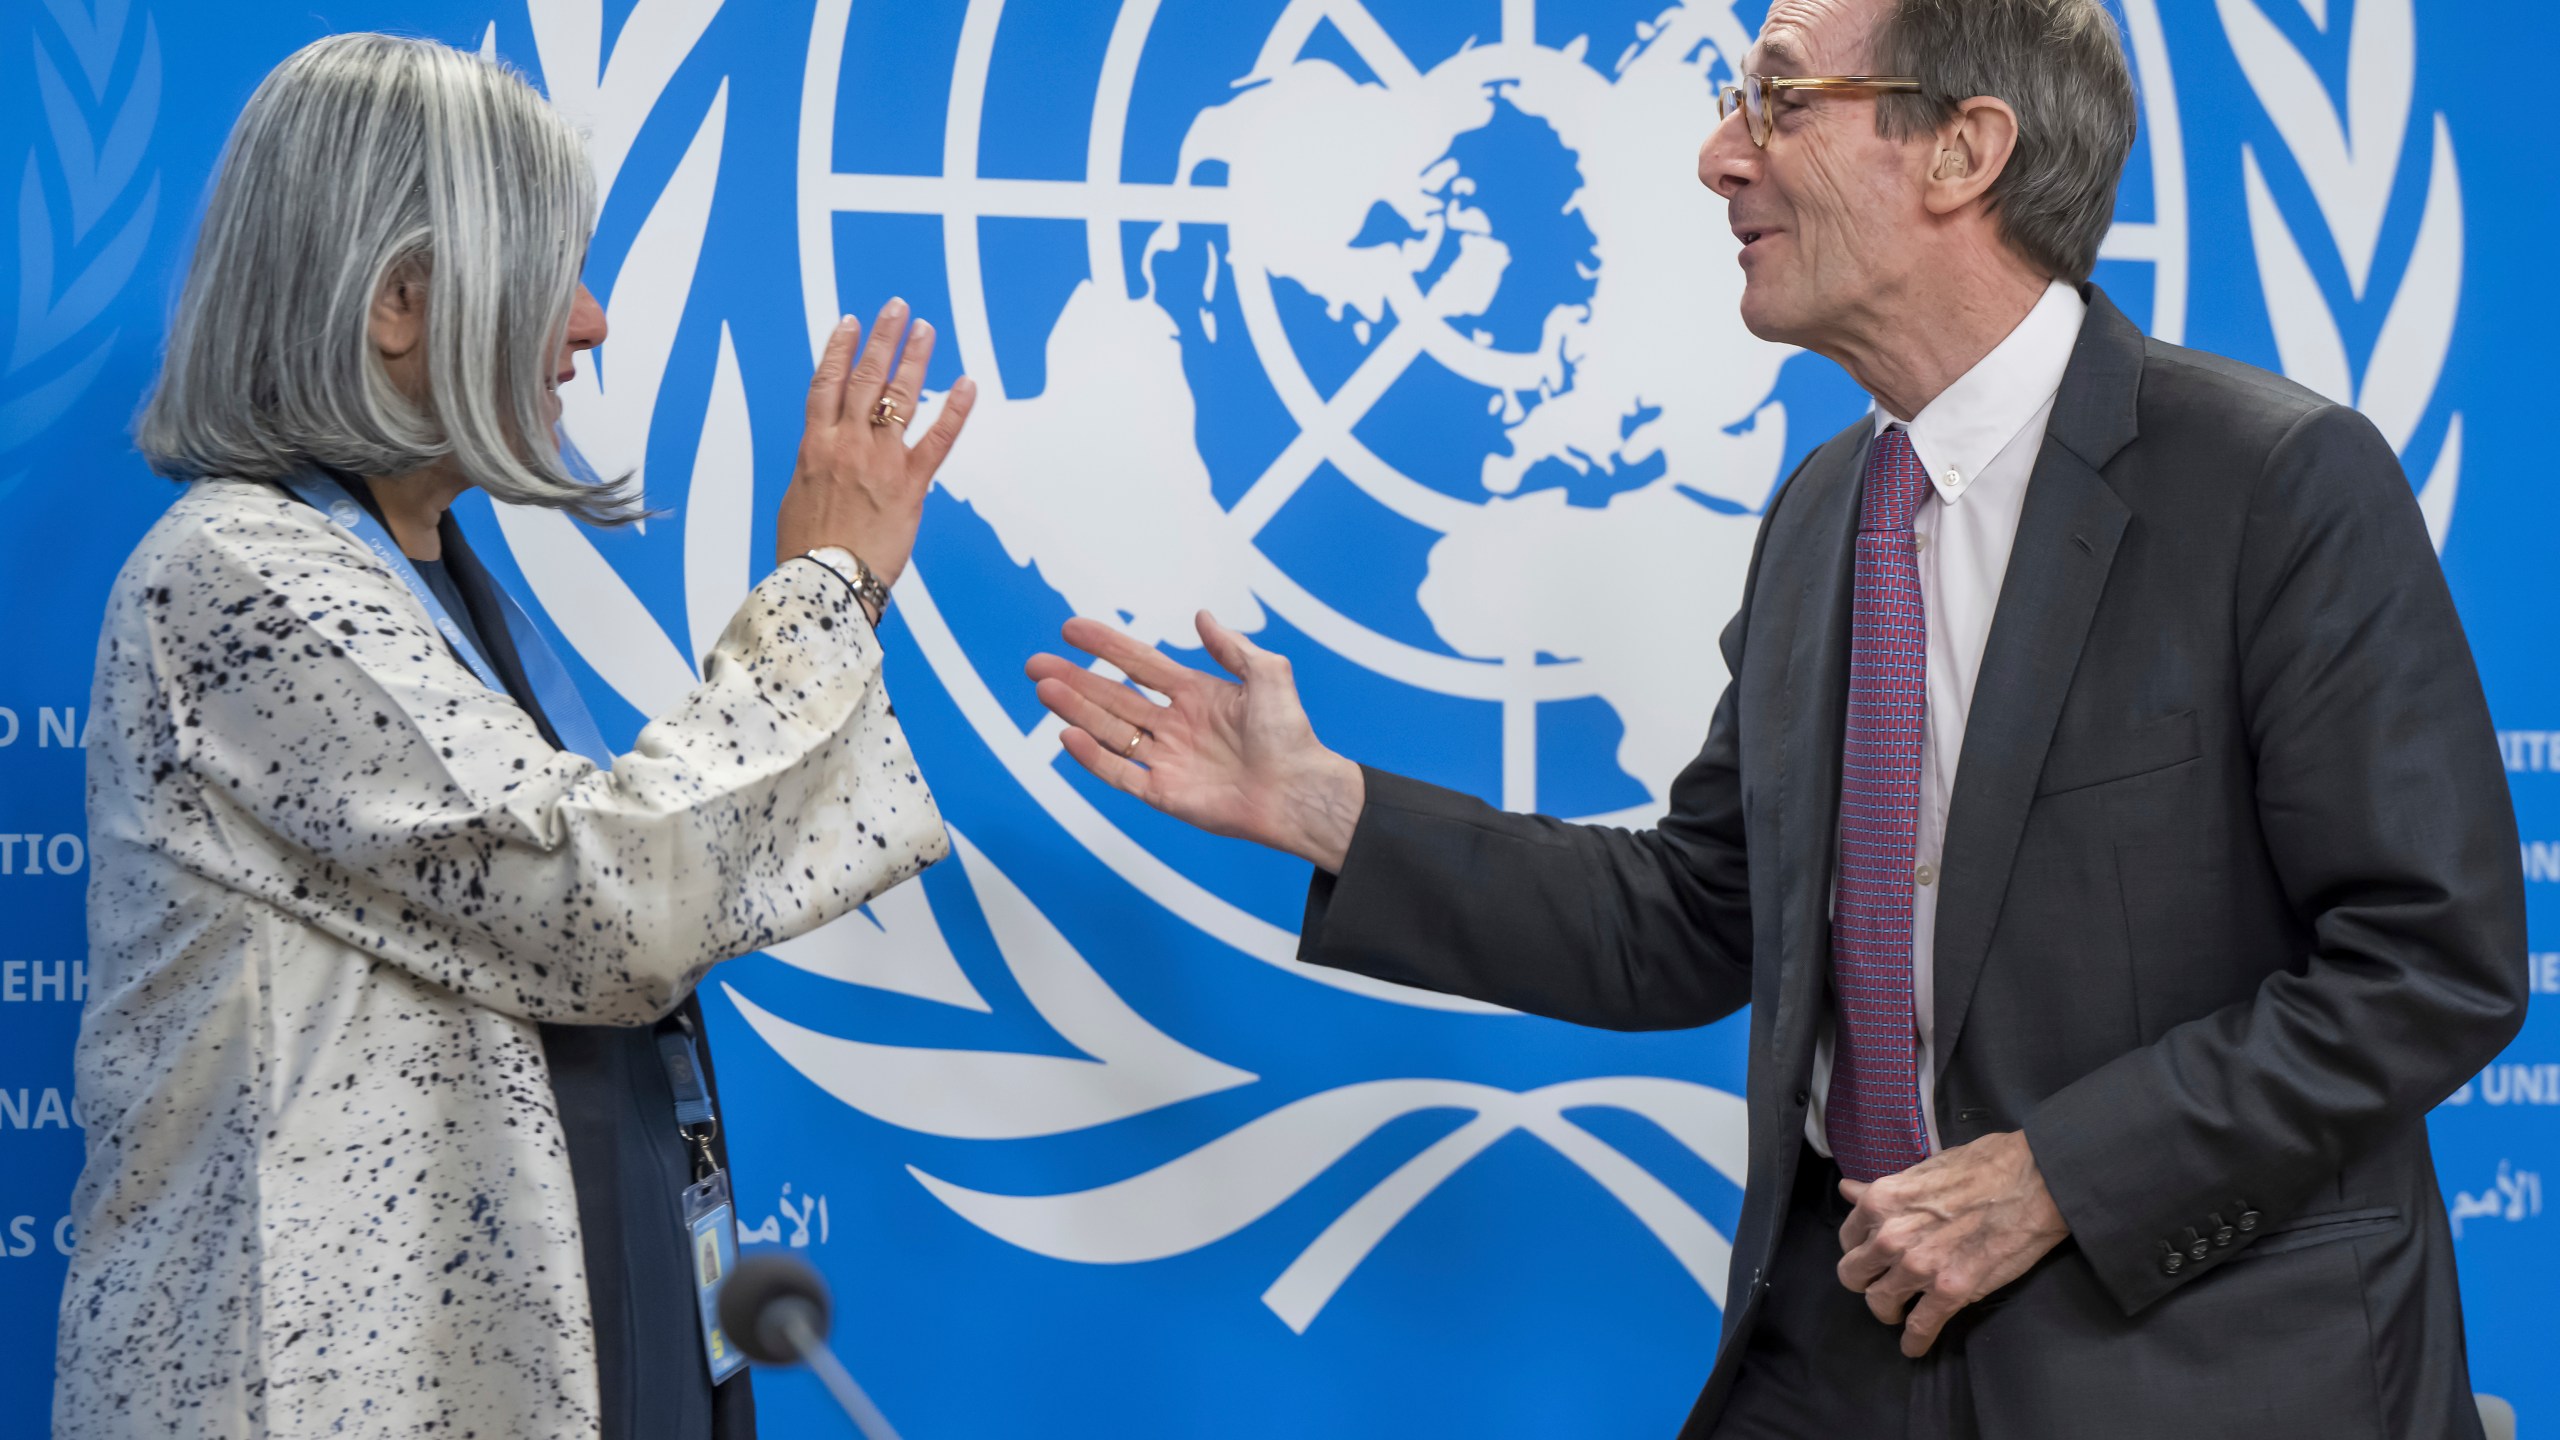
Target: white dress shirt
(1978, 440)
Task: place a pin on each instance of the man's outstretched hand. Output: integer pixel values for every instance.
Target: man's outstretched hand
(1234, 757)
(1949, 1230)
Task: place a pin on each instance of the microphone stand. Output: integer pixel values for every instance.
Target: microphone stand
(793, 1320)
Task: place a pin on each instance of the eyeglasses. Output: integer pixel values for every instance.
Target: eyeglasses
(1751, 97)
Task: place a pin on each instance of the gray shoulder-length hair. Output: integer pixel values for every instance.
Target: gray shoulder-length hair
(364, 158)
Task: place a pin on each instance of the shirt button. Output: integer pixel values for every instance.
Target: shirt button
(1955, 478)
(1919, 543)
(1925, 873)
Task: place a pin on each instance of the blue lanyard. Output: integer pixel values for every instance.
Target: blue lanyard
(695, 1119)
(561, 704)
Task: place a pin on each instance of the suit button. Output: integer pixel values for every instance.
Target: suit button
(2171, 1262)
(2221, 1233)
(1803, 1095)
(2197, 1246)
(2248, 1221)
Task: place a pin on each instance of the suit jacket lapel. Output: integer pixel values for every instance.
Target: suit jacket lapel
(1815, 718)
(479, 596)
(2067, 537)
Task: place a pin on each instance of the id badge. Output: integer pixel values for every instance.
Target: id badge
(711, 1227)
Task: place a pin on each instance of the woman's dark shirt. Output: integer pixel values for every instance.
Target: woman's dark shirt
(629, 1164)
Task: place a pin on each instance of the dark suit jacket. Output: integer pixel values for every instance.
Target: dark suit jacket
(2231, 897)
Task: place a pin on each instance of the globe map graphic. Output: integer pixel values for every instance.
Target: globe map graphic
(1471, 306)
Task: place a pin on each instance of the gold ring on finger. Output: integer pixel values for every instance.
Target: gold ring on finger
(886, 412)
(1130, 750)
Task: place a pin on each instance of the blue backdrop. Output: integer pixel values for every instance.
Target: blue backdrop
(1399, 333)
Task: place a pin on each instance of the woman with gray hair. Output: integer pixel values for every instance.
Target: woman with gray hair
(397, 1118)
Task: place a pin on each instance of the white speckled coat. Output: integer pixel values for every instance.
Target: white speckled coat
(335, 882)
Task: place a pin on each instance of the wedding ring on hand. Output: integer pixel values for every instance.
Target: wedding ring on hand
(886, 412)
(1130, 750)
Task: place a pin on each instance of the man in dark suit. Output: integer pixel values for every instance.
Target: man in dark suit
(2103, 820)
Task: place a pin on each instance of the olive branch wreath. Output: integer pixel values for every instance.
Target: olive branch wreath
(2348, 153)
(74, 259)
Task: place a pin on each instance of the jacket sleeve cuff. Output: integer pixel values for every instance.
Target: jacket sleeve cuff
(2146, 1223)
(1371, 889)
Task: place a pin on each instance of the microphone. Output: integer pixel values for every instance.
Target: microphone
(774, 1308)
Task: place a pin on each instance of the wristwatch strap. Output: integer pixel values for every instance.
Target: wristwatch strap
(848, 567)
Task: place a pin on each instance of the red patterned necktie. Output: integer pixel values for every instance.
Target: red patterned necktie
(1871, 1114)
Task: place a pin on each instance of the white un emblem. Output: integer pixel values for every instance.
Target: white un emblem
(1421, 361)
(1400, 334)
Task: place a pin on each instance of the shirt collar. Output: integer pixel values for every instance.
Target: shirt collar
(1973, 420)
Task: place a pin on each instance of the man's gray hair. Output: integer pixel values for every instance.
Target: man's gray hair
(364, 158)
(2060, 64)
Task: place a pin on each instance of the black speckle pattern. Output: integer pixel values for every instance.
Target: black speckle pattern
(335, 881)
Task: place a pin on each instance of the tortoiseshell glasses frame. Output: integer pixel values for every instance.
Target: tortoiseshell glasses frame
(1751, 97)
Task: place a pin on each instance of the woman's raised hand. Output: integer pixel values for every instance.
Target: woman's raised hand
(1231, 757)
(858, 483)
